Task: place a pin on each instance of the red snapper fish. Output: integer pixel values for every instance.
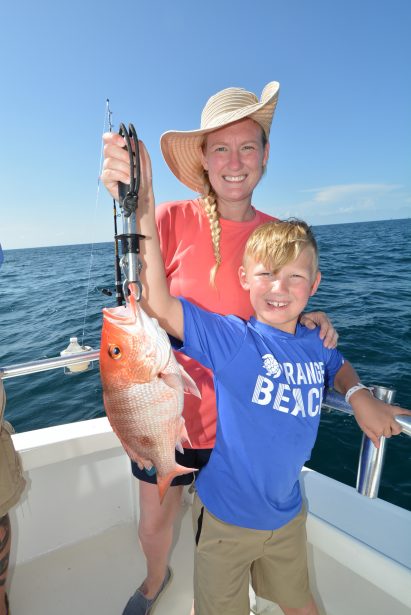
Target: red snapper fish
(143, 390)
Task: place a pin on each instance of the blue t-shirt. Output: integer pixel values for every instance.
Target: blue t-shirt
(269, 386)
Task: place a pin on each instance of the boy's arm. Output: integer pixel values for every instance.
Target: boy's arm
(375, 417)
(156, 300)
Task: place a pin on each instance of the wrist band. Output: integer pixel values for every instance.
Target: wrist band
(354, 389)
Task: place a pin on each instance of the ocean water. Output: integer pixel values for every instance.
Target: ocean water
(48, 295)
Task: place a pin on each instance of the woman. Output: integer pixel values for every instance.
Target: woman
(202, 242)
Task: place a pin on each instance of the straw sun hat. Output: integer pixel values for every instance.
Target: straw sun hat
(182, 149)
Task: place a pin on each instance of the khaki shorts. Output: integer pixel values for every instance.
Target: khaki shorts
(226, 554)
(12, 482)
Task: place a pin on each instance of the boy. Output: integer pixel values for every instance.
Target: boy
(269, 375)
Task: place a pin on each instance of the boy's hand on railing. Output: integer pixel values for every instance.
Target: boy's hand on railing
(375, 417)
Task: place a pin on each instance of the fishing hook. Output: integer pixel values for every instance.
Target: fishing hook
(127, 283)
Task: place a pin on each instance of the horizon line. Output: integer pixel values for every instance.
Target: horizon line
(86, 243)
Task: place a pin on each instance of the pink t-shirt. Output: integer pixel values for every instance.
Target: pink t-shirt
(188, 256)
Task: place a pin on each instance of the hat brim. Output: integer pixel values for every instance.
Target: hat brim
(182, 149)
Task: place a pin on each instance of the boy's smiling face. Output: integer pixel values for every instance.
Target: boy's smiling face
(278, 298)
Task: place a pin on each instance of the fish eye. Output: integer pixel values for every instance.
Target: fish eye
(114, 351)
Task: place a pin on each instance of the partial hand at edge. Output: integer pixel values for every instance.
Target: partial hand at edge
(327, 332)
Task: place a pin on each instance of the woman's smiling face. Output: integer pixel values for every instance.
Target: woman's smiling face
(234, 157)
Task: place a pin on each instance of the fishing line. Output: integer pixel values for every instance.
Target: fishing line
(117, 261)
(106, 122)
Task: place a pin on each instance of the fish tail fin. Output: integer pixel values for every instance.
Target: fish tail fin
(163, 482)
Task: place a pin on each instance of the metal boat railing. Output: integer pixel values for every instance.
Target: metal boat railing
(43, 365)
(371, 460)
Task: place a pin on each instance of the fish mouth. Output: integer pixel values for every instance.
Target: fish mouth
(123, 315)
(133, 321)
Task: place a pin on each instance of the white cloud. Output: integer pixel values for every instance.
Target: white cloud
(334, 194)
(347, 203)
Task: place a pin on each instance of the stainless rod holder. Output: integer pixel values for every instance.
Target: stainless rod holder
(130, 259)
(371, 461)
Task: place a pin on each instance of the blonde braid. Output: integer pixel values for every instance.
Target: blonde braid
(209, 202)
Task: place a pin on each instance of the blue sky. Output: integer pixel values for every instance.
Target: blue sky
(340, 142)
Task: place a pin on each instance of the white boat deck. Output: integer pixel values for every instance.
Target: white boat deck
(96, 576)
(75, 547)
